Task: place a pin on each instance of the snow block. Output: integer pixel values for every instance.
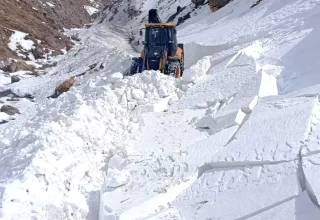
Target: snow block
(197, 71)
(268, 86)
(311, 168)
(201, 152)
(273, 132)
(222, 122)
(312, 144)
(300, 208)
(238, 193)
(114, 77)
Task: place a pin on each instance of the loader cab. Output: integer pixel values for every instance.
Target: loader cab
(161, 35)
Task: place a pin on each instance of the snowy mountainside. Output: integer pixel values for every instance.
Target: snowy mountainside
(236, 138)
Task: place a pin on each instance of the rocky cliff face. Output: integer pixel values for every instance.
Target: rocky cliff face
(40, 24)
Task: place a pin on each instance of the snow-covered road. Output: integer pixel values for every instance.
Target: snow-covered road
(236, 138)
(236, 144)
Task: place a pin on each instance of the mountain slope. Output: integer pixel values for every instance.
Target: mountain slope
(43, 21)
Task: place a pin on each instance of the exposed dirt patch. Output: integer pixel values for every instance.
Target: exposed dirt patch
(43, 20)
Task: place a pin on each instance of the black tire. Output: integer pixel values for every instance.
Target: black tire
(136, 66)
(182, 64)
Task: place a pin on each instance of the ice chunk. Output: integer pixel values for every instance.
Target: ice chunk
(198, 70)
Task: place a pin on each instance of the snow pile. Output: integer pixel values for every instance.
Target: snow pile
(67, 143)
(19, 43)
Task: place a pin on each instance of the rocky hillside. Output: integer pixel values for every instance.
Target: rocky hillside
(32, 28)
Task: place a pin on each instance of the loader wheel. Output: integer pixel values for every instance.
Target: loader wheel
(136, 66)
(174, 69)
(182, 64)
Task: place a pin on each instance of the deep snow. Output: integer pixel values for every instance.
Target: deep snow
(236, 138)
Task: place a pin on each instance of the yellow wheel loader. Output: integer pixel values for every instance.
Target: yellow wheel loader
(161, 49)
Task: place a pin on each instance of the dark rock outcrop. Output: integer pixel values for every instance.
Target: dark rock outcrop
(10, 110)
(15, 79)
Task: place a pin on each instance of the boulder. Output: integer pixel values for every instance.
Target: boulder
(10, 110)
(57, 53)
(64, 87)
(75, 37)
(17, 66)
(15, 79)
(217, 4)
(198, 2)
(38, 52)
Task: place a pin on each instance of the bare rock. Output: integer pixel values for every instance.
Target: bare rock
(38, 53)
(15, 79)
(64, 87)
(75, 37)
(198, 2)
(217, 4)
(21, 65)
(10, 110)
(57, 53)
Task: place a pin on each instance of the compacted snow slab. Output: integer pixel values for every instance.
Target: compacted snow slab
(238, 193)
(311, 168)
(312, 144)
(273, 132)
(217, 193)
(164, 133)
(300, 208)
(224, 80)
(143, 179)
(200, 153)
(171, 213)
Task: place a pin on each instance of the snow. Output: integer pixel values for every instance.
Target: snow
(238, 188)
(311, 170)
(236, 138)
(299, 208)
(279, 139)
(18, 39)
(50, 4)
(4, 79)
(91, 10)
